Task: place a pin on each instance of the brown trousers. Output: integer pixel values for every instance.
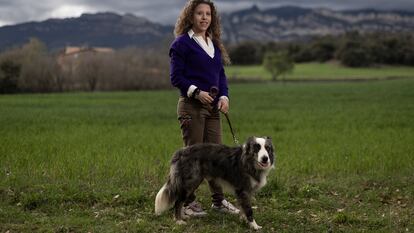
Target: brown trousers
(200, 123)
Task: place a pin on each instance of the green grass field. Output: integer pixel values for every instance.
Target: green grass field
(322, 71)
(93, 162)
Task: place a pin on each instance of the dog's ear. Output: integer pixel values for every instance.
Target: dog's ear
(252, 139)
(249, 143)
(268, 140)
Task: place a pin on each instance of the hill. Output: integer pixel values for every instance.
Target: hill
(296, 23)
(101, 29)
(253, 24)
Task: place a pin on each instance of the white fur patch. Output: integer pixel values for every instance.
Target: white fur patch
(181, 222)
(256, 185)
(161, 201)
(262, 152)
(254, 225)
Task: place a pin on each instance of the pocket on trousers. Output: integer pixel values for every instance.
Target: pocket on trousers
(185, 121)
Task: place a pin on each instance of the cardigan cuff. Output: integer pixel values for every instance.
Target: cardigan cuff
(190, 91)
(223, 97)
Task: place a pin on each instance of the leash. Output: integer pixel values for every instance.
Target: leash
(231, 129)
(213, 93)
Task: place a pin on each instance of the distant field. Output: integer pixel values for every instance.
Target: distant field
(317, 71)
(93, 162)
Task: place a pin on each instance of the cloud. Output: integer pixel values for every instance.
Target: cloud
(69, 11)
(164, 11)
(333, 4)
(2, 22)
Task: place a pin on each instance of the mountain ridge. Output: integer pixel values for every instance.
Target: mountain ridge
(293, 23)
(107, 29)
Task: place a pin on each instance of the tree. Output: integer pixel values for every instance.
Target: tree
(354, 54)
(323, 50)
(34, 48)
(9, 74)
(278, 63)
(246, 53)
(38, 73)
(10, 71)
(89, 70)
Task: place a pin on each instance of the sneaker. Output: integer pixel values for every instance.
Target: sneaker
(226, 207)
(194, 209)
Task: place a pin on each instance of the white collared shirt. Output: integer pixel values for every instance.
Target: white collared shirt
(208, 46)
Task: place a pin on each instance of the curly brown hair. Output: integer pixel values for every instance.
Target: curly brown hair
(184, 24)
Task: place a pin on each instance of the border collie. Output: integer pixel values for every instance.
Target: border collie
(242, 169)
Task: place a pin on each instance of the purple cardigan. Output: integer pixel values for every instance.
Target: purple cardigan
(191, 65)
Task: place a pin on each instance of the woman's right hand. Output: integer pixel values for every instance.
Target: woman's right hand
(204, 97)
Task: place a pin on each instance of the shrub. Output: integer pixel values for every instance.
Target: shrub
(9, 75)
(277, 64)
(353, 54)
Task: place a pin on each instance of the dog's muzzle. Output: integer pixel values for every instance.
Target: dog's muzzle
(264, 162)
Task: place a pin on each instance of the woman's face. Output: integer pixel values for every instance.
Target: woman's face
(201, 18)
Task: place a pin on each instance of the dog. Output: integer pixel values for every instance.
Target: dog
(242, 169)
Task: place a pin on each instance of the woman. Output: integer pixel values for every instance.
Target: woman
(197, 56)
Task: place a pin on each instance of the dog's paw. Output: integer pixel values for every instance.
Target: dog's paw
(181, 222)
(254, 225)
(242, 217)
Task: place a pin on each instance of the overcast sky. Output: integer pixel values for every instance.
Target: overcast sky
(163, 11)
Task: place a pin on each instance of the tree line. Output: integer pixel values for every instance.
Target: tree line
(352, 49)
(32, 68)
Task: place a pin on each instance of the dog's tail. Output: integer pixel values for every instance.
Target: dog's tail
(167, 195)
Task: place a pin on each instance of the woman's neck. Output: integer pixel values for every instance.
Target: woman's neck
(200, 33)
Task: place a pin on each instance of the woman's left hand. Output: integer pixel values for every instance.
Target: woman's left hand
(223, 105)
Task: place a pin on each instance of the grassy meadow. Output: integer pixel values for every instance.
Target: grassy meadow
(93, 162)
(324, 71)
